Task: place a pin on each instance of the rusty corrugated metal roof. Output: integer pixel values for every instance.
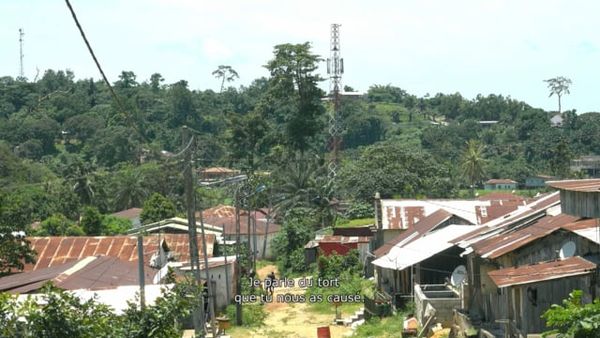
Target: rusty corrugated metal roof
(228, 224)
(503, 243)
(531, 211)
(344, 239)
(590, 185)
(129, 213)
(93, 273)
(52, 251)
(572, 266)
(420, 228)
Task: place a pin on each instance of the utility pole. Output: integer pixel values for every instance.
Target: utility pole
(140, 245)
(211, 294)
(198, 315)
(238, 272)
(21, 35)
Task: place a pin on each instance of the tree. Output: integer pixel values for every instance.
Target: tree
(91, 221)
(294, 98)
(393, 169)
(473, 163)
(129, 191)
(247, 137)
(558, 86)
(157, 208)
(59, 225)
(225, 73)
(15, 251)
(573, 318)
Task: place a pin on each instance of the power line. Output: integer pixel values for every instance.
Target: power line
(112, 92)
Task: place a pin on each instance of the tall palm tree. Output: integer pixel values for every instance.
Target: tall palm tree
(559, 86)
(225, 73)
(473, 163)
(130, 190)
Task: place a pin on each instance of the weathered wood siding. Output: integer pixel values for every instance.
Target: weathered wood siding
(548, 248)
(579, 203)
(528, 318)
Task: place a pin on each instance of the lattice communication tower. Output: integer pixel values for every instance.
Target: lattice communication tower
(335, 69)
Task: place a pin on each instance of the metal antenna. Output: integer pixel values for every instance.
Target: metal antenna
(335, 69)
(21, 35)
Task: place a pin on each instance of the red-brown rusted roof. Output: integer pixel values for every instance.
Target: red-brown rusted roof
(129, 213)
(353, 231)
(501, 196)
(535, 209)
(591, 185)
(92, 273)
(344, 239)
(572, 266)
(504, 243)
(500, 181)
(224, 216)
(52, 251)
(420, 229)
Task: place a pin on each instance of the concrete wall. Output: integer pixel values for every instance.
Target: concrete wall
(217, 275)
(444, 306)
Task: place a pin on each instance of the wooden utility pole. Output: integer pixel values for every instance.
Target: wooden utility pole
(211, 294)
(198, 314)
(238, 272)
(140, 247)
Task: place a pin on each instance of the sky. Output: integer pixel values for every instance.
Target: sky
(505, 47)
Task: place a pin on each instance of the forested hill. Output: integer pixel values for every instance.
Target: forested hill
(65, 142)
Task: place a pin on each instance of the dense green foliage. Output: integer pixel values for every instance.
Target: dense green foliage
(573, 318)
(61, 314)
(156, 208)
(66, 148)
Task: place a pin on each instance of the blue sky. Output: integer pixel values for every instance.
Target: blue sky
(479, 46)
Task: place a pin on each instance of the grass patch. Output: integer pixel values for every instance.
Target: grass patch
(356, 222)
(387, 327)
(466, 193)
(263, 262)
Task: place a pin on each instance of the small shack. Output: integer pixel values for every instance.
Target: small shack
(500, 184)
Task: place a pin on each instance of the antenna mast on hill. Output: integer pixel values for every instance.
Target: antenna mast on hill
(335, 69)
(21, 35)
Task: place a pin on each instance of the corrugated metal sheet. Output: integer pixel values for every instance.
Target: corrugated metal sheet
(129, 213)
(569, 267)
(523, 214)
(399, 258)
(53, 251)
(504, 243)
(590, 185)
(344, 239)
(418, 230)
(92, 273)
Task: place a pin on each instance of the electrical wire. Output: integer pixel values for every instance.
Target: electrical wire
(112, 91)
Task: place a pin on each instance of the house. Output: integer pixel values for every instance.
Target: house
(215, 173)
(255, 227)
(587, 165)
(395, 216)
(538, 181)
(412, 260)
(221, 271)
(177, 225)
(91, 273)
(132, 214)
(54, 251)
(500, 184)
(519, 265)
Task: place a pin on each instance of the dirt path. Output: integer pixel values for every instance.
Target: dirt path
(291, 320)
